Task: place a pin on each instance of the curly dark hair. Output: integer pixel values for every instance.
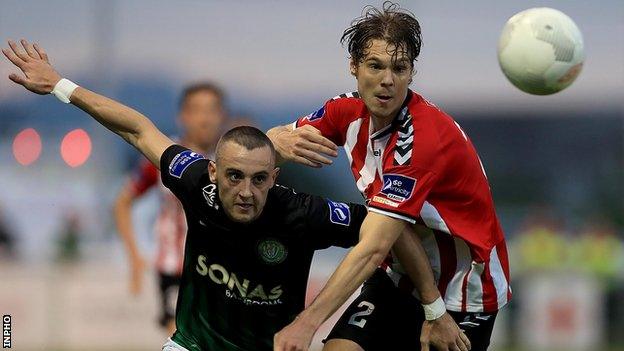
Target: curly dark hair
(397, 26)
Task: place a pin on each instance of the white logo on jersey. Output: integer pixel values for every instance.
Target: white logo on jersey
(210, 192)
(341, 215)
(248, 291)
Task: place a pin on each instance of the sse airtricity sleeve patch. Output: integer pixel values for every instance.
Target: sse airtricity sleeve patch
(182, 161)
(339, 213)
(397, 187)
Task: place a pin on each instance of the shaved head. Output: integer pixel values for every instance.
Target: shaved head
(246, 136)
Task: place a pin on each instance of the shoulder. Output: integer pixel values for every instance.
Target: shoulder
(426, 111)
(286, 202)
(339, 106)
(342, 109)
(182, 169)
(281, 196)
(347, 101)
(354, 95)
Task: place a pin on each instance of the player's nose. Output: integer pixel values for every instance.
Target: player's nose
(387, 79)
(245, 189)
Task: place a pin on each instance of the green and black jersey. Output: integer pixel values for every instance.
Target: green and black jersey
(242, 283)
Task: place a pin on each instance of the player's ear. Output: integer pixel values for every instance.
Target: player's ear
(274, 175)
(212, 171)
(353, 67)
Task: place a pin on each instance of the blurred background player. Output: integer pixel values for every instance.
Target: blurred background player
(201, 118)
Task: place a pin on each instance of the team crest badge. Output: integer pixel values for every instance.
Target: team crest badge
(272, 251)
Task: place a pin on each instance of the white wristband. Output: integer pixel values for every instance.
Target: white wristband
(63, 89)
(435, 309)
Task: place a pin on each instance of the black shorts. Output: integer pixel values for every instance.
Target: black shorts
(169, 285)
(384, 318)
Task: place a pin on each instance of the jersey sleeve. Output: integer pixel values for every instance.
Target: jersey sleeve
(331, 120)
(143, 178)
(402, 192)
(333, 223)
(181, 170)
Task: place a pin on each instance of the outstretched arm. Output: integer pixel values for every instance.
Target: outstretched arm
(41, 78)
(377, 235)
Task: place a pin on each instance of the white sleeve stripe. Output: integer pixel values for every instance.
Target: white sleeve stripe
(498, 277)
(392, 214)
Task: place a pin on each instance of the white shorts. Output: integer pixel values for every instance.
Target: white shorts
(171, 345)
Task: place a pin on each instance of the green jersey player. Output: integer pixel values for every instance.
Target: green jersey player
(249, 245)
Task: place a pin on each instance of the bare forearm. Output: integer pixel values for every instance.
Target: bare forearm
(118, 118)
(356, 267)
(128, 123)
(413, 258)
(377, 235)
(123, 220)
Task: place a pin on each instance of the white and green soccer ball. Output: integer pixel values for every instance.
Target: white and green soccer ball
(541, 51)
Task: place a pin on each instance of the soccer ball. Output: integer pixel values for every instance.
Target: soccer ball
(541, 51)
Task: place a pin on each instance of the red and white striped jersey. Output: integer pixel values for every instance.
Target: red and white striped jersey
(170, 226)
(422, 168)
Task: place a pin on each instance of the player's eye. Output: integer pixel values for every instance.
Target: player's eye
(374, 66)
(235, 177)
(259, 180)
(400, 68)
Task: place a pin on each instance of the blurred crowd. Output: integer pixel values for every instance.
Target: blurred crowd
(544, 248)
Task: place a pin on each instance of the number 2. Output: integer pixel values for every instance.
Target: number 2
(361, 322)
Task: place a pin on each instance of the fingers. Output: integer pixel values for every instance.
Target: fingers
(13, 58)
(465, 341)
(18, 52)
(315, 145)
(424, 346)
(17, 79)
(312, 156)
(306, 162)
(30, 50)
(325, 145)
(41, 52)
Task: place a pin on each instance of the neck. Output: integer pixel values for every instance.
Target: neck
(381, 122)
